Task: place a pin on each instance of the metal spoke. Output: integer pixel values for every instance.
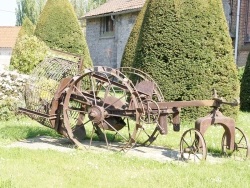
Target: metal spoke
(93, 89)
(184, 140)
(82, 125)
(241, 139)
(197, 151)
(115, 130)
(118, 99)
(105, 95)
(243, 147)
(116, 115)
(76, 110)
(78, 91)
(105, 136)
(195, 154)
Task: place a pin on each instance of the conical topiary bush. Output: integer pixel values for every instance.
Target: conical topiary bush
(58, 27)
(245, 88)
(185, 46)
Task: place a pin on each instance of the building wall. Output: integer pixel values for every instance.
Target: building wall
(227, 11)
(242, 58)
(243, 48)
(124, 25)
(5, 55)
(101, 49)
(233, 5)
(107, 51)
(242, 24)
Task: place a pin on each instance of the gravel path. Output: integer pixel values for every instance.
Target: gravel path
(64, 145)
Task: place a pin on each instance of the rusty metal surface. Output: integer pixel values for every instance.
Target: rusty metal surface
(107, 100)
(216, 117)
(41, 88)
(193, 146)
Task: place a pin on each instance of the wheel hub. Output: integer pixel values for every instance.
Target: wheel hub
(96, 114)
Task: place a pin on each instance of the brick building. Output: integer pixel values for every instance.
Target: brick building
(108, 28)
(240, 29)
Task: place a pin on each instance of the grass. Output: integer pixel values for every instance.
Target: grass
(26, 168)
(21, 167)
(21, 129)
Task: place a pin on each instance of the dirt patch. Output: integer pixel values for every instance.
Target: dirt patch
(64, 145)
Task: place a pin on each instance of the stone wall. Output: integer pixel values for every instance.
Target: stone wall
(11, 93)
(227, 12)
(242, 58)
(108, 50)
(11, 84)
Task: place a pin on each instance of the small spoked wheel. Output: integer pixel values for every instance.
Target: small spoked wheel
(150, 116)
(241, 149)
(193, 146)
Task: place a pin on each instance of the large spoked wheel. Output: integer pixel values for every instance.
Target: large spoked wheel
(193, 146)
(150, 128)
(150, 122)
(241, 149)
(104, 100)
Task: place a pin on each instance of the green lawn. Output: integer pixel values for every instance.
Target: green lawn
(21, 167)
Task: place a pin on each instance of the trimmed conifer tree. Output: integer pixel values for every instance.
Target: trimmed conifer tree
(58, 27)
(185, 46)
(29, 50)
(132, 43)
(245, 88)
(27, 28)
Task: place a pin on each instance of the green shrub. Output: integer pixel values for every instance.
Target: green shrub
(240, 72)
(185, 46)
(245, 87)
(132, 43)
(8, 108)
(27, 28)
(28, 52)
(26, 31)
(47, 88)
(59, 28)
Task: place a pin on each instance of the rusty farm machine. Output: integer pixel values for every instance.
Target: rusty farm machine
(64, 96)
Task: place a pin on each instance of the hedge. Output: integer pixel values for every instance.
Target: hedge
(185, 46)
(58, 27)
(245, 87)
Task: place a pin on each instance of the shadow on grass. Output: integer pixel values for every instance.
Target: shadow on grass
(46, 142)
(217, 153)
(25, 132)
(160, 154)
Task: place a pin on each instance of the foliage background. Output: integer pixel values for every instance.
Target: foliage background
(59, 29)
(33, 8)
(29, 51)
(245, 87)
(185, 46)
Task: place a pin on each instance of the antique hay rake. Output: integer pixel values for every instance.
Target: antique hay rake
(63, 96)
